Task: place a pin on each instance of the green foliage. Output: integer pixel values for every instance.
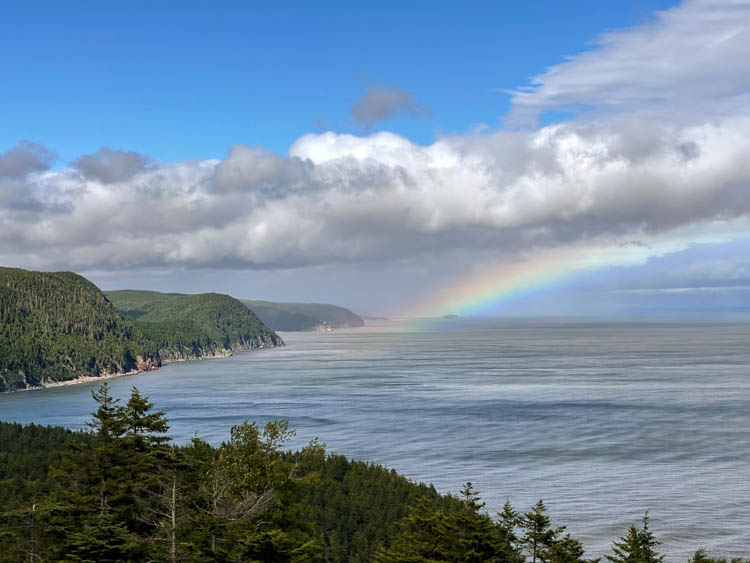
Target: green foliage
(546, 543)
(357, 505)
(464, 534)
(637, 546)
(58, 326)
(191, 326)
(100, 540)
(701, 556)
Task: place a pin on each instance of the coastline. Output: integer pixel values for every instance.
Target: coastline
(88, 379)
(93, 378)
(77, 380)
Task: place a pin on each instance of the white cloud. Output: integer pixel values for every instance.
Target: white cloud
(691, 61)
(339, 198)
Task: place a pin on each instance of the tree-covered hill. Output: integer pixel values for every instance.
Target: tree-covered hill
(193, 326)
(303, 316)
(58, 326)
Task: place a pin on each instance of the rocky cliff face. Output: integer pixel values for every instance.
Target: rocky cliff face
(266, 340)
(146, 364)
(185, 353)
(17, 381)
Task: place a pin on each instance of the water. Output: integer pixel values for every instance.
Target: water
(601, 421)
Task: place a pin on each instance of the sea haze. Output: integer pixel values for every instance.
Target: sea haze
(602, 421)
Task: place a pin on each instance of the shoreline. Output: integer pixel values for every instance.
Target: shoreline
(104, 377)
(77, 380)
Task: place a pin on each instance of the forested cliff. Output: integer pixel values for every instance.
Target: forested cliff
(194, 326)
(58, 326)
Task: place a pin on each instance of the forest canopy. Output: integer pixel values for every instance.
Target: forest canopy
(193, 326)
(58, 326)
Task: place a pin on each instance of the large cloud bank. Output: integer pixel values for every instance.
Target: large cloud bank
(618, 176)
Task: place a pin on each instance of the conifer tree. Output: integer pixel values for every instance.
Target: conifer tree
(539, 535)
(33, 530)
(91, 470)
(637, 546)
(508, 520)
(113, 479)
(546, 543)
(107, 423)
(142, 424)
(101, 540)
(465, 535)
(425, 535)
(700, 556)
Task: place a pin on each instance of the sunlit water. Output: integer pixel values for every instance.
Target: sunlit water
(601, 421)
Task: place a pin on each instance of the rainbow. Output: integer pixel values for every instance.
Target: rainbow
(488, 291)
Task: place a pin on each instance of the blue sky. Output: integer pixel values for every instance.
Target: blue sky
(384, 156)
(190, 81)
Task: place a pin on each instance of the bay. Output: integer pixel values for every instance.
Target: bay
(601, 420)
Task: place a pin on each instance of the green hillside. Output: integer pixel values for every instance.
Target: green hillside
(303, 316)
(58, 326)
(193, 326)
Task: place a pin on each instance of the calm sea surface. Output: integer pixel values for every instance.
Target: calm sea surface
(600, 421)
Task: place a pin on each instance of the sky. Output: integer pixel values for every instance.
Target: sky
(421, 158)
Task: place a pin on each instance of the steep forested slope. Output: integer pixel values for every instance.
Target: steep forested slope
(191, 326)
(57, 326)
(303, 316)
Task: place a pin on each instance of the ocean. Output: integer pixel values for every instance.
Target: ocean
(602, 421)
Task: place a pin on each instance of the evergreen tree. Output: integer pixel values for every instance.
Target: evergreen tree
(700, 556)
(113, 479)
(478, 538)
(547, 543)
(637, 546)
(101, 540)
(91, 470)
(539, 535)
(426, 535)
(142, 424)
(463, 535)
(31, 530)
(107, 423)
(508, 520)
